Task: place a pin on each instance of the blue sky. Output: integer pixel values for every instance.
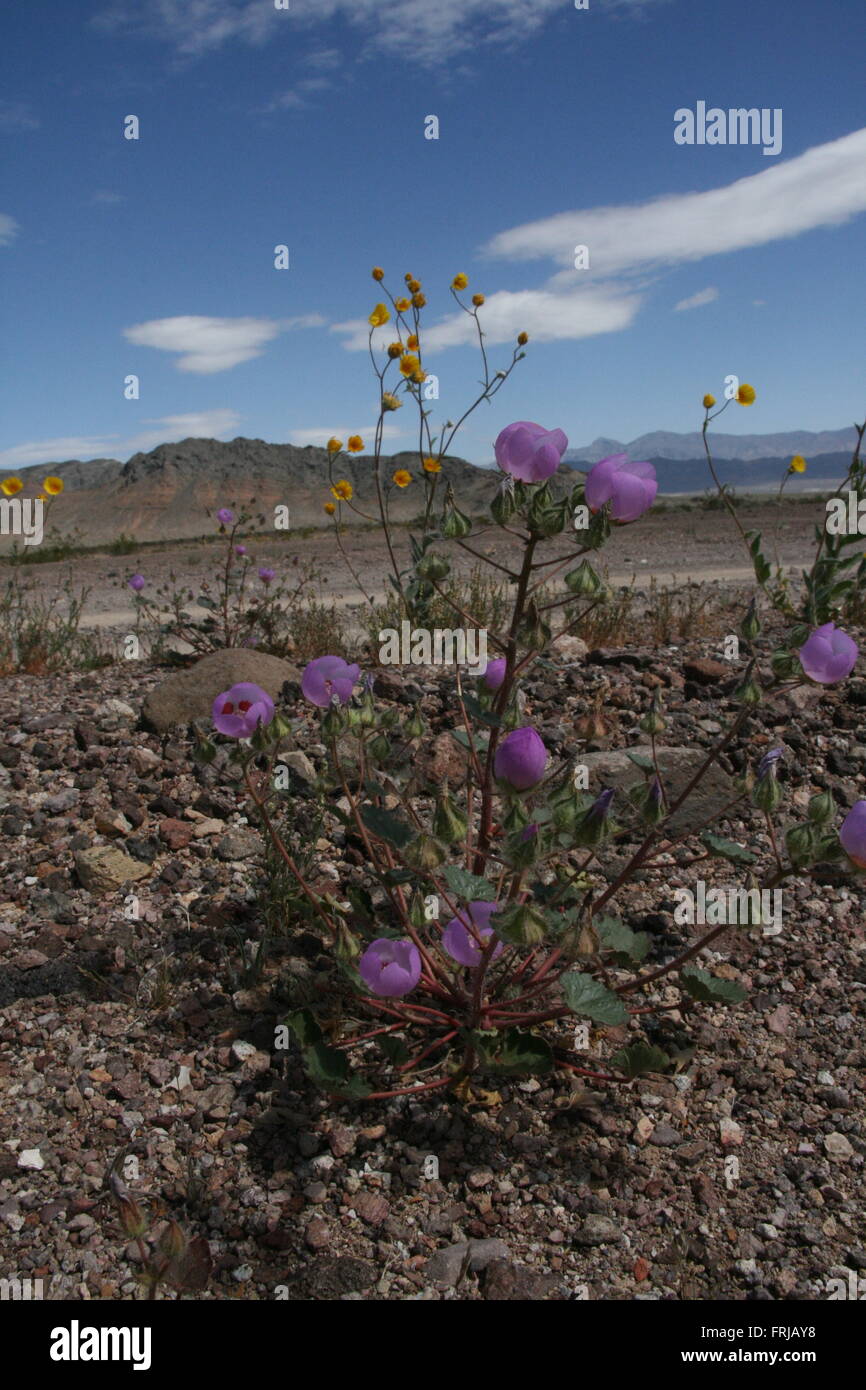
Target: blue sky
(306, 127)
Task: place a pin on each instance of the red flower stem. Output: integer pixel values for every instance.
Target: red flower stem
(374, 1033)
(410, 1090)
(287, 858)
(584, 1071)
(440, 1042)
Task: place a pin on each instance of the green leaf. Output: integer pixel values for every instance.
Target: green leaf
(385, 826)
(304, 1027)
(468, 887)
(474, 708)
(329, 1068)
(589, 997)
(394, 1049)
(615, 936)
(522, 1054)
(701, 985)
(640, 760)
(727, 849)
(462, 738)
(639, 1058)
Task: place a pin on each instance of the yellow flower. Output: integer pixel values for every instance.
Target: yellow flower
(395, 349)
(342, 490)
(53, 486)
(402, 477)
(330, 508)
(412, 342)
(419, 377)
(409, 364)
(43, 497)
(356, 444)
(11, 485)
(432, 465)
(798, 464)
(390, 401)
(402, 305)
(407, 277)
(460, 281)
(378, 273)
(419, 301)
(746, 395)
(523, 339)
(478, 300)
(334, 446)
(709, 402)
(414, 286)
(380, 315)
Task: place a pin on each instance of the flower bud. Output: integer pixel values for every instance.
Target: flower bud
(379, 748)
(822, 808)
(800, 843)
(131, 1216)
(414, 726)
(523, 847)
(784, 664)
(749, 693)
(334, 722)
(454, 525)
(346, 947)
(583, 581)
(766, 793)
(449, 823)
(367, 710)
(533, 631)
(649, 800)
(598, 530)
(432, 567)
(172, 1241)
(521, 924)
(424, 852)
(515, 817)
(503, 506)
(204, 751)
(593, 825)
(389, 718)
(417, 915)
(652, 722)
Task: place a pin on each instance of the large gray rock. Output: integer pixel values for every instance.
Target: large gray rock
(190, 694)
(677, 767)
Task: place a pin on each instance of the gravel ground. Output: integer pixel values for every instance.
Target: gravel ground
(144, 1035)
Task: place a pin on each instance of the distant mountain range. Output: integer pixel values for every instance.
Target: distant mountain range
(166, 494)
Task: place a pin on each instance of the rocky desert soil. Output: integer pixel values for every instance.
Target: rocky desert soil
(149, 1036)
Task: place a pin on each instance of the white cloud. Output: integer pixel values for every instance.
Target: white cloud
(205, 345)
(304, 321)
(824, 187)
(697, 301)
(430, 30)
(8, 228)
(206, 424)
(319, 436)
(105, 195)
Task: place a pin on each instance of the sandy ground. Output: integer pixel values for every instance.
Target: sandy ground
(672, 547)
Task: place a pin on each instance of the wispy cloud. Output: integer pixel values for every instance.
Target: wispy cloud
(431, 32)
(17, 115)
(8, 229)
(206, 424)
(696, 301)
(205, 345)
(629, 244)
(106, 196)
(821, 188)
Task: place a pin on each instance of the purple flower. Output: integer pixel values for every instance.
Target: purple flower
(521, 759)
(852, 835)
(239, 711)
(225, 516)
(768, 762)
(600, 807)
(828, 655)
(390, 967)
(240, 550)
(529, 452)
(137, 582)
(629, 487)
(327, 676)
(495, 673)
(458, 940)
(266, 575)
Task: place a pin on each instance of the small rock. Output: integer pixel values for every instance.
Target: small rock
(730, 1133)
(238, 844)
(317, 1234)
(176, 833)
(838, 1148)
(598, 1230)
(30, 1158)
(105, 869)
(371, 1208)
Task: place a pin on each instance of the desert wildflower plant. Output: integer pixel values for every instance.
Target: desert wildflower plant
(474, 934)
